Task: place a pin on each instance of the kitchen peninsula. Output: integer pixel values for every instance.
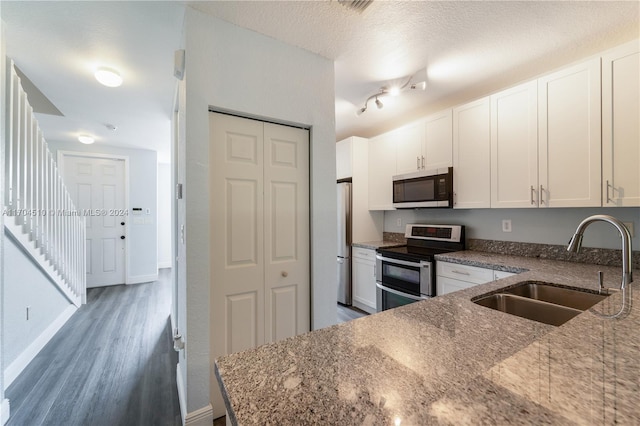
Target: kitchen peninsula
(448, 360)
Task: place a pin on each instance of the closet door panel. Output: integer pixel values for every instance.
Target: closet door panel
(286, 183)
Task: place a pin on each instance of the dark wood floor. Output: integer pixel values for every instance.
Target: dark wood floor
(113, 363)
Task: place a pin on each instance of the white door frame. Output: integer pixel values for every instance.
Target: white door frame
(125, 158)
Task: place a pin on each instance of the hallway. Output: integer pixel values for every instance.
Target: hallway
(113, 363)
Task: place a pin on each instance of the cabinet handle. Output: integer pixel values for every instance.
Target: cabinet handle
(533, 203)
(541, 194)
(418, 163)
(423, 161)
(460, 272)
(455, 198)
(608, 199)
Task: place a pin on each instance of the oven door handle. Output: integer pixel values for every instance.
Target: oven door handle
(399, 262)
(399, 293)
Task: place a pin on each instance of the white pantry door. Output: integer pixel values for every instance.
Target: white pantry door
(286, 228)
(97, 187)
(259, 235)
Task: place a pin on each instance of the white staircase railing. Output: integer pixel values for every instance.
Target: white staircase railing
(38, 210)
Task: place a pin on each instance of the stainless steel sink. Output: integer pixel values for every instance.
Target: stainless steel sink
(569, 297)
(542, 302)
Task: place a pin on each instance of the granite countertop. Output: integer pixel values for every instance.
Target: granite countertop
(378, 244)
(449, 361)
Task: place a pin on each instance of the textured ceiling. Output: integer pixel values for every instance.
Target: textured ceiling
(58, 45)
(468, 48)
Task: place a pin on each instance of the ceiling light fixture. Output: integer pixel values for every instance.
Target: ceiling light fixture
(109, 77)
(392, 91)
(86, 139)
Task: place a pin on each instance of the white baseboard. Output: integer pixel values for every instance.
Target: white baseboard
(200, 417)
(181, 393)
(20, 363)
(139, 279)
(165, 264)
(4, 411)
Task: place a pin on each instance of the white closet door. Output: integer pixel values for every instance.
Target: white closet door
(286, 219)
(237, 254)
(259, 235)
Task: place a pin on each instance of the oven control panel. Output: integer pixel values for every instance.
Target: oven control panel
(450, 233)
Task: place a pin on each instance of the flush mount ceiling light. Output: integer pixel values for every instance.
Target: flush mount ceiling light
(86, 139)
(392, 91)
(108, 76)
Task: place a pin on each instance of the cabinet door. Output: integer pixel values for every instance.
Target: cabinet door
(343, 159)
(514, 147)
(569, 136)
(438, 142)
(471, 162)
(449, 285)
(382, 167)
(408, 141)
(364, 285)
(620, 128)
(498, 275)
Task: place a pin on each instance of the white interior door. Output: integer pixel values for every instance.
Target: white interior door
(97, 187)
(259, 235)
(286, 228)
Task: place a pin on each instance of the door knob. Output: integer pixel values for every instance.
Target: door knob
(122, 237)
(285, 274)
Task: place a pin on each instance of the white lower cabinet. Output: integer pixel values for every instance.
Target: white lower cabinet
(364, 279)
(498, 275)
(452, 277)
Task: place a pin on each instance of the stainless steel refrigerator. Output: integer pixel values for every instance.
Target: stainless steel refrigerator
(344, 243)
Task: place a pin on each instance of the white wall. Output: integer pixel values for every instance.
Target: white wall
(235, 69)
(545, 226)
(143, 173)
(26, 285)
(165, 225)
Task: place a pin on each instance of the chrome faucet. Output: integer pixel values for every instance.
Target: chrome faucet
(576, 242)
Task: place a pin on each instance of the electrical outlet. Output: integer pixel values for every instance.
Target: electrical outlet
(399, 222)
(506, 225)
(629, 226)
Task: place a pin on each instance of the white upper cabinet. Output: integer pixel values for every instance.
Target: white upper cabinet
(438, 142)
(471, 158)
(408, 142)
(344, 159)
(514, 147)
(569, 137)
(620, 126)
(424, 145)
(382, 167)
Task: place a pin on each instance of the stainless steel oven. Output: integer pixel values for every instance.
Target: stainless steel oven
(406, 274)
(400, 282)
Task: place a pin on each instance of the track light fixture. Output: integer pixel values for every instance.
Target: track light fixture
(392, 91)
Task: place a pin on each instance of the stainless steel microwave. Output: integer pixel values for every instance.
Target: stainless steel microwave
(424, 189)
